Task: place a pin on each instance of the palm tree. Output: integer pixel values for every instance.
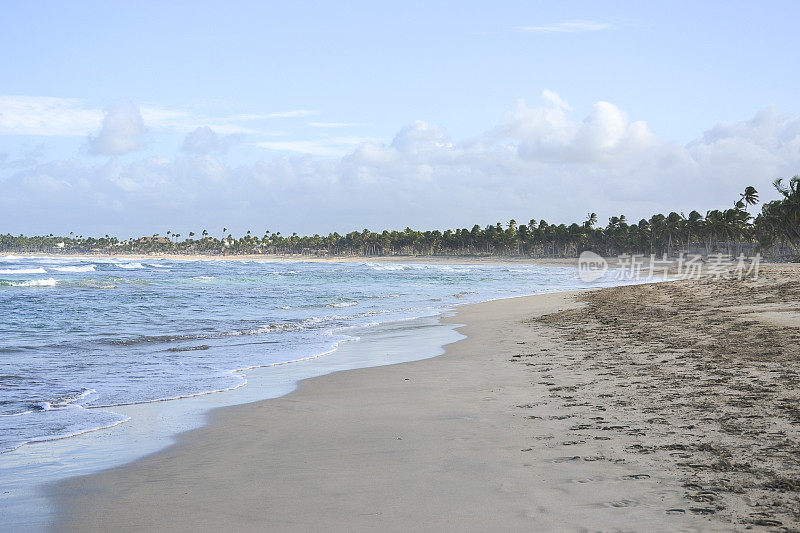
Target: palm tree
(693, 226)
(749, 196)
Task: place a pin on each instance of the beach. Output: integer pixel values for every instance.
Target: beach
(661, 407)
(489, 259)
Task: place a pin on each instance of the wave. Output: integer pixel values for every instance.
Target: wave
(342, 304)
(24, 271)
(277, 327)
(49, 282)
(463, 293)
(11, 446)
(384, 266)
(191, 348)
(239, 385)
(417, 266)
(84, 268)
(131, 266)
(93, 284)
(65, 401)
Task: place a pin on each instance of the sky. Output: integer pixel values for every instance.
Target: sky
(134, 118)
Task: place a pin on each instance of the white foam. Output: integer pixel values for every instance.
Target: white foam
(131, 266)
(49, 282)
(384, 266)
(24, 271)
(343, 304)
(84, 268)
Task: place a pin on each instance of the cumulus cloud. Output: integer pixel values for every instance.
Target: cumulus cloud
(122, 131)
(548, 133)
(538, 162)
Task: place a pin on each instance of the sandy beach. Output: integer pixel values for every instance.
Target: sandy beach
(655, 407)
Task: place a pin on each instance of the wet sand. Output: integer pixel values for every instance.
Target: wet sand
(656, 407)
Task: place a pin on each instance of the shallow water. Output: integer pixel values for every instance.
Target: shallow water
(82, 336)
(88, 347)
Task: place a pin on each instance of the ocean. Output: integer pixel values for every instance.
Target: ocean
(82, 336)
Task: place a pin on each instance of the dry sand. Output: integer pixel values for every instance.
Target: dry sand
(661, 407)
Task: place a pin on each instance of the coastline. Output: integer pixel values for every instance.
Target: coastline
(668, 406)
(445, 442)
(152, 425)
(267, 258)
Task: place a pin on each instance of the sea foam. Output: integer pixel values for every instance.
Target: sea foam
(84, 268)
(49, 282)
(24, 271)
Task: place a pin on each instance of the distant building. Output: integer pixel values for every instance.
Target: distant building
(154, 240)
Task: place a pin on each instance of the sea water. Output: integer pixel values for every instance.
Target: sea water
(82, 336)
(104, 360)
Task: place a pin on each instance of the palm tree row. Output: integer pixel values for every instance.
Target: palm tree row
(775, 231)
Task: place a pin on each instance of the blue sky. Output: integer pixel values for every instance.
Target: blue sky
(302, 115)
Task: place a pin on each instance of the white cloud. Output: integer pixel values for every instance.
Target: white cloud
(555, 100)
(50, 116)
(328, 147)
(547, 133)
(40, 115)
(204, 140)
(538, 162)
(122, 131)
(570, 26)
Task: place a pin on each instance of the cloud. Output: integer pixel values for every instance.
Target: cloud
(571, 26)
(122, 131)
(547, 133)
(52, 117)
(204, 140)
(328, 147)
(39, 115)
(539, 161)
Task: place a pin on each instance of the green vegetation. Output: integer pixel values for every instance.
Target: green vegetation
(774, 232)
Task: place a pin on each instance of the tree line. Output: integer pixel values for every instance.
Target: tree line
(774, 231)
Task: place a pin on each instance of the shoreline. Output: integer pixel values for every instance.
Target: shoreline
(154, 426)
(402, 259)
(422, 443)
